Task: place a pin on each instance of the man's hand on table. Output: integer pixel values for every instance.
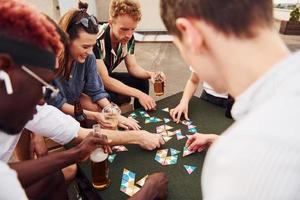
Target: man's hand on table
(199, 142)
(128, 124)
(155, 188)
(181, 108)
(150, 141)
(147, 101)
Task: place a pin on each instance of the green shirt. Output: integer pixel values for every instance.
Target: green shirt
(103, 49)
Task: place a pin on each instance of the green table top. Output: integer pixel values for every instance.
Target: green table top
(208, 119)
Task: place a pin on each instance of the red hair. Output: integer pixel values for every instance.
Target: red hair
(20, 21)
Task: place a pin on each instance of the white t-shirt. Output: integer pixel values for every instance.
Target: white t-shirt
(208, 89)
(48, 122)
(258, 157)
(10, 187)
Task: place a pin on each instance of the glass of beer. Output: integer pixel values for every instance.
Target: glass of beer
(111, 113)
(158, 84)
(99, 164)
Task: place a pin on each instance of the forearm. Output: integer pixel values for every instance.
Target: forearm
(189, 91)
(69, 110)
(103, 102)
(115, 137)
(117, 86)
(122, 137)
(33, 170)
(139, 72)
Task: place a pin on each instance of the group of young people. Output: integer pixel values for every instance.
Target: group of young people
(230, 45)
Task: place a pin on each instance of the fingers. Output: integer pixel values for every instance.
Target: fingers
(152, 104)
(173, 114)
(105, 124)
(99, 140)
(145, 105)
(161, 141)
(189, 141)
(178, 116)
(186, 115)
(132, 124)
(121, 125)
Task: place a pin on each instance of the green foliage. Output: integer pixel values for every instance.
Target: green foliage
(295, 15)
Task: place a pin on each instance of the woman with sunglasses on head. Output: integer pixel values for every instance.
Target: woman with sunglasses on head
(78, 73)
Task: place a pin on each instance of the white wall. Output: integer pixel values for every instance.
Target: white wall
(151, 20)
(65, 5)
(281, 14)
(48, 7)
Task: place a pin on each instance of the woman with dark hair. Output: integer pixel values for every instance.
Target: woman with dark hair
(78, 70)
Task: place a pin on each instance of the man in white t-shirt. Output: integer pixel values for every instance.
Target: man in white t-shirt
(234, 47)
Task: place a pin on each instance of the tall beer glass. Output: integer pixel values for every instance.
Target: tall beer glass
(111, 113)
(99, 164)
(158, 84)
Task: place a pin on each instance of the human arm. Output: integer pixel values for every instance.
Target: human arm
(117, 86)
(142, 138)
(91, 115)
(32, 170)
(38, 146)
(199, 142)
(182, 107)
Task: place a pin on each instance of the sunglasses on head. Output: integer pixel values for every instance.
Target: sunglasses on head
(85, 21)
(49, 91)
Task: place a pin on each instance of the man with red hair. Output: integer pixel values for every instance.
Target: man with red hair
(29, 45)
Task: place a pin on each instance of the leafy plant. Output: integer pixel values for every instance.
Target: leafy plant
(295, 15)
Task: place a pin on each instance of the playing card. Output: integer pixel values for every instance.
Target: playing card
(187, 152)
(111, 158)
(119, 148)
(189, 168)
(142, 181)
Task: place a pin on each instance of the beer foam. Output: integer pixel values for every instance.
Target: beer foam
(98, 155)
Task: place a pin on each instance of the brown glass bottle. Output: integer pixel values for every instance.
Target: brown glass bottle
(79, 114)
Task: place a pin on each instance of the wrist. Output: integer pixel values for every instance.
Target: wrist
(74, 154)
(138, 94)
(137, 137)
(212, 138)
(184, 101)
(89, 115)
